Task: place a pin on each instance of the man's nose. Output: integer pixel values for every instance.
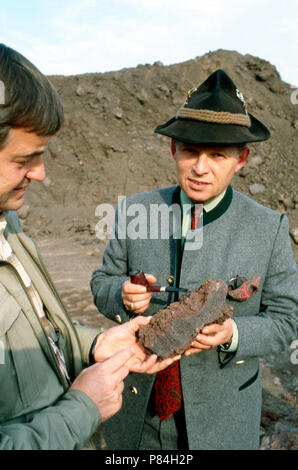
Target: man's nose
(37, 171)
(201, 166)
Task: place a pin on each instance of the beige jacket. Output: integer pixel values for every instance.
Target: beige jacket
(36, 411)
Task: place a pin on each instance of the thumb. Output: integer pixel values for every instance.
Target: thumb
(137, 322)
(151, 279)
(119, 359)
(210, 329)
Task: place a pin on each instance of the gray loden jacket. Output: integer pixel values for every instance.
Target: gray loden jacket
(222, 404)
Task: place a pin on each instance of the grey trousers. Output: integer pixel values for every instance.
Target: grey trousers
(169, 434)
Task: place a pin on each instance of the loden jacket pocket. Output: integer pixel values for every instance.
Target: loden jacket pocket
(25, 374)
(250, 381)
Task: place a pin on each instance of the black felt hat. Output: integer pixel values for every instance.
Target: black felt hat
(215, 113)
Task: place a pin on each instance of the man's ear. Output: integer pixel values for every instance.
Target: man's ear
(173, 148)
(242, 159)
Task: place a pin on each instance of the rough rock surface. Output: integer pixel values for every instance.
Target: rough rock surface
(172, 330)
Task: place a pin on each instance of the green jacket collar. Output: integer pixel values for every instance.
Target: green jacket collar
(214, 213)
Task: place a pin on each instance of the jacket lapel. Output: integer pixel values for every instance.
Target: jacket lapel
(27, 252)
(8, 278)
(175, 243)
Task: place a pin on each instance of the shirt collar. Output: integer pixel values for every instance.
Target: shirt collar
(185, 202)
(3, 223)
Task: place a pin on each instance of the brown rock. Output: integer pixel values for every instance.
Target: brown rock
(294, 234)
(172, 330)
(24, 211)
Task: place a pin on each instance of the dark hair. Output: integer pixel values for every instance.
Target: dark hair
(27, 98)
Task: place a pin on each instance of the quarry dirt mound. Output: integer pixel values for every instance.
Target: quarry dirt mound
(108, 148)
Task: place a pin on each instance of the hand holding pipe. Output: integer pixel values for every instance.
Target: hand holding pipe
(138, 277)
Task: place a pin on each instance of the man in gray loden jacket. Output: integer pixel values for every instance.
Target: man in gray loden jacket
(213, 400)
(49, 398)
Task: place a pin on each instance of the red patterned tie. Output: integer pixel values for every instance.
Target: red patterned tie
(195, 215)
(168, 392)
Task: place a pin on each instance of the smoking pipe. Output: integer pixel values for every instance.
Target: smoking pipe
(138, 277)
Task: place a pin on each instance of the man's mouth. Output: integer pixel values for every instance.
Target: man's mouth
(198, 184)
(21, 189)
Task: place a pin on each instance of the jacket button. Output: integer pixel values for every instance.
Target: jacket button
(170, 280)
(118, 319)
(134, 390)
(239, 363)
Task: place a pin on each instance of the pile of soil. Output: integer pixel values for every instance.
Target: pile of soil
(108, 148)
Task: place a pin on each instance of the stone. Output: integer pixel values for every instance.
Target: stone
(284, 437)
(172, 330)
(143, 96)
(23, 212)
(83, 89)
(276, 381)
(265, 443)
(47, 182)
(244, 171)
(118, 113)
(263, 75)
(257, 188)
(294, 234)
(255, 160)
(80, 91)
(287, 202)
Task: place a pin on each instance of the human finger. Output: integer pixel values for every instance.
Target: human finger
(115, 384)
(136, 309)
(135, 324)
(139, 307)
(212, 329)
(116, 381)
(208, 340)
(153, 364)
(137, 298)
(191, 351)
(118, 360)
(130, 288)
(200, 345)
(150, 278)
(121, 387)
(163, 364)
(122, 373)
(135, 302)
(141, 366)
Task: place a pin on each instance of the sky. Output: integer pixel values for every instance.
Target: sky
(67, 37)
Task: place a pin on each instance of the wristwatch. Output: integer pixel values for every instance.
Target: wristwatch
(92, 350)
(226, 346)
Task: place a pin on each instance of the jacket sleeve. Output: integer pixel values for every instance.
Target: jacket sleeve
(67, 425)
(106, 282)
(273, 329)
(86, 337)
